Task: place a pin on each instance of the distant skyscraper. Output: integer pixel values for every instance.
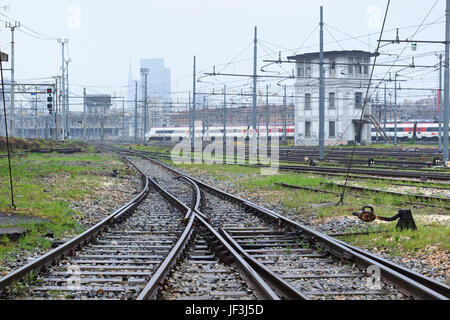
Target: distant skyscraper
(158, 81)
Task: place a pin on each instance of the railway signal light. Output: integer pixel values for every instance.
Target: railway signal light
(50, 100)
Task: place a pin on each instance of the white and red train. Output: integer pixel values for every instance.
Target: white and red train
(411, 130)
(405, 131)
(216, 132)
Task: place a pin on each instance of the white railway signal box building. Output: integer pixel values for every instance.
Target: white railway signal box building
(347, 76)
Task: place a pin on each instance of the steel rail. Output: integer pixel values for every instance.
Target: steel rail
(151, 289)
(437, 286)
(403, 283)
(249, 272)
(172, 199)
(398, 174)
(75, 244)
(280, 286)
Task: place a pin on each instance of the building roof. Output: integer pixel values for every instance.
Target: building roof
(333, 54)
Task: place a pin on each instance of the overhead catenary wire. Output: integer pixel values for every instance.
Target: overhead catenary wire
(341, 201)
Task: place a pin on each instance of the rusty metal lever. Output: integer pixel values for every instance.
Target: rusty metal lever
(404, 217)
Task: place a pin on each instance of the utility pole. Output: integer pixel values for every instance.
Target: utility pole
(193, 106)
(12, 116)
(446, 80)
(84, 116)
(63, 88)
(255, 66)
(321, 93)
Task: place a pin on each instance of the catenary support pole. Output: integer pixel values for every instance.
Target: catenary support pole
(224, 147)
(321, 93)
(440, 105)
(267, 113)
(446, 80)
(136, 113)
(12, 114)
(194, 82)
(385, 108)
(284, 116)
(395, 110)
(255, 75)
(63, 89)
(84, 116)
(67, 101)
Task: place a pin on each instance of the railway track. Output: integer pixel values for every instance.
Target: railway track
(118, 258)
(183, 239)
(305, 263)
(364, 172)
(421, 175)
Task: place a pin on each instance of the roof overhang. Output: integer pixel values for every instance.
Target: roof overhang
(333, 54)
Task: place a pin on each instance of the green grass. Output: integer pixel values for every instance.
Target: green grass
(44, 185)
(407, 241)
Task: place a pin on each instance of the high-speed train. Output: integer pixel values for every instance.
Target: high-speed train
(405, 131)
(216, 132)
(409, 130)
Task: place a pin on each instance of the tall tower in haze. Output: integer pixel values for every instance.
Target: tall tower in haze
(158, 90)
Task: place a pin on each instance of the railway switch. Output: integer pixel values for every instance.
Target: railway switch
(404, 217)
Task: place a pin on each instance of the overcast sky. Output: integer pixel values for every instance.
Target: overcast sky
(105, 35)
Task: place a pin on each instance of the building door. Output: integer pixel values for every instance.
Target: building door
(358, 131)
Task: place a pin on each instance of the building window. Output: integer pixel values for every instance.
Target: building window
(350, 65)
(358, 67)
(307, 101)
(331, 100)
(301, 70)
(332, 67)
(358, 99)
(366, 65)
(308, 69)
(308, 129)
(332, 129)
